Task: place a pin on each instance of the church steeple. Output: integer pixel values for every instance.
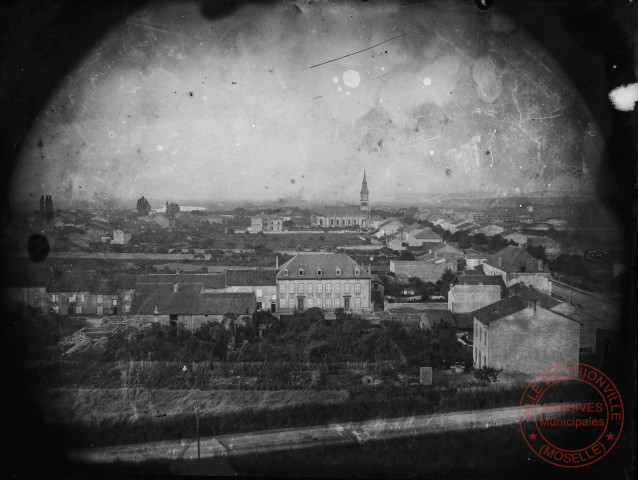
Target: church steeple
(364, 193)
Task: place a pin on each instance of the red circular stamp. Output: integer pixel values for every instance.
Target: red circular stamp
(571, 415)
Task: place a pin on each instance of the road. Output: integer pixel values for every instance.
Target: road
(298, 438)
(607, 312)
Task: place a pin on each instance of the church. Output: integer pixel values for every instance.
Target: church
(346, 216)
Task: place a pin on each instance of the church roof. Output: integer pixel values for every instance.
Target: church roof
(341, 211)
(364, 185)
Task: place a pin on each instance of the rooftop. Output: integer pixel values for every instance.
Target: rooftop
(310, 264)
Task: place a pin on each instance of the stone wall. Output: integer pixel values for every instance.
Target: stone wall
(467, 298)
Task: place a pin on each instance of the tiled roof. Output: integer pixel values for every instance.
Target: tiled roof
(434, 317)
(208, 280)
(346, 210)
(27, 277)
(513, 259)
(247, 277)
(327, 262)
(481, 280)
(73, 281)
(427, 233)
(113, 283)
(528, 293)
(499, 309)
(446, 247)
(161, 299)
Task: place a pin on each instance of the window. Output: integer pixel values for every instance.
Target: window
(100, 310)
(328, 287)
(72, 298)
(19, 296)
(127, 297)
(485, 338)
(78, 309)
(259, 293)
(115, 302)
(475, 331)
(56, 309)
(283, 303)
(54, 298)
(346, 288)
(81, 297)
(357, 302)
(337, 302)
(309, 303)
(328, 302)
(319, 303)
(319, 288)
(301, 272)
(357, 288)
(127, 308)
(357, 272)
(291, 289)
(337, 288)
(480, 334)
(309, 288)
(337, 271)
(285, 272)
(99, 299)
(282, 289)
(319, 272)
(300, 288)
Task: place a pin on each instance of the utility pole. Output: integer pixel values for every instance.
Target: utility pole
(197, 424)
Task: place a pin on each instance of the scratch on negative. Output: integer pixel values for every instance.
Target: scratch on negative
(354, 53)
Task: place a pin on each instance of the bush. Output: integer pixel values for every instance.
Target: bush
(487, 374)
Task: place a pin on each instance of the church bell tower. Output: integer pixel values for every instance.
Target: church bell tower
(364, 194)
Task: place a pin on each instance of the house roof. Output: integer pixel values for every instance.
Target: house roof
(161, 299)
(481, 280)
(27, 277)
(447, 247)
(208, 280)
(436, 316)
(500, 309)
(248, 277)
(513, 259)
(529, 293)
(471, 253)
(349, 210)
(113, 283)
(389, 221)
(427, 233)
(73, 281)
(327, 262)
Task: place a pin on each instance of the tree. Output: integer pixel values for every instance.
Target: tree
(407, 255)
(172, 209)
(447, 278)
(537, 252)
(465, 241)
(487, 374)
(143, 207)
(479, 239)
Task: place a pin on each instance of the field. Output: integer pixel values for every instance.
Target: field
(94, 407)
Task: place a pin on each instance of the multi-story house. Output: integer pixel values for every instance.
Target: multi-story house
(324, 280)
(261, 282)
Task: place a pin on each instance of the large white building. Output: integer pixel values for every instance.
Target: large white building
(324, 280)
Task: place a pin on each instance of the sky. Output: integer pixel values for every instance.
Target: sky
(297, 99)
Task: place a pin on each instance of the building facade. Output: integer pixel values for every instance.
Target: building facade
(324, 280)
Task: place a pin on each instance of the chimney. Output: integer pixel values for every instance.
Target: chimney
(540, 265)
(277, 262)
(175, 288)
(156, 311)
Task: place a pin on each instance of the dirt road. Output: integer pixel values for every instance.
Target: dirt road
(303, 437)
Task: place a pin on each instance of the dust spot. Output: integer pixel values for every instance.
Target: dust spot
(448, 172)
(292, 180)
(190, 94)
(624, 97)
(38, 246)
(487, 152)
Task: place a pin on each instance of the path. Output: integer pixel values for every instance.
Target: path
(302, 437)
